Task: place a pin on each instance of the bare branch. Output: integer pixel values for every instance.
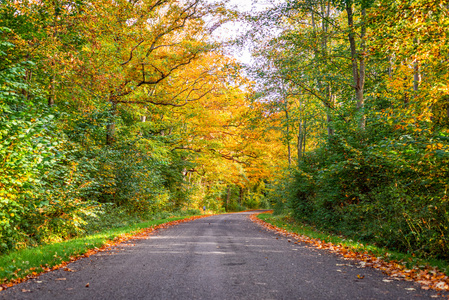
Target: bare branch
(131, 54)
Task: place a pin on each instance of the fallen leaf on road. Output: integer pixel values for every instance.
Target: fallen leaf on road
(69, 270)
(360, 276)
(441, 285)
(60, 279)
(26, 291)
(410, 289)
(87, 285)
(386, 280)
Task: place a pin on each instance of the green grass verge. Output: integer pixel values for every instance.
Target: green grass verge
(19, 264)
(288, 223)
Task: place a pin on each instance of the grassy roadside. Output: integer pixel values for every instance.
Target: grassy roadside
(288, 223)
(17, 265)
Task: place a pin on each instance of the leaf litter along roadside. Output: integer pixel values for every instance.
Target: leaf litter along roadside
(144, 233)
(428, 277)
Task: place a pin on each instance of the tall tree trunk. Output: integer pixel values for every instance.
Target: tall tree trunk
(304, 138)
(406, 87)
(299, 145)
(52, 96)
(390, 66)
(323, 88)
(302, 132)
(288, 133)
(416, 71)
(416, 76)
(325, 27)
(228, 197)
(330, 129)
(358, 72)
(241, 196)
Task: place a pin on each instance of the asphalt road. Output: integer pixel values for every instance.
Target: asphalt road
(220, 257)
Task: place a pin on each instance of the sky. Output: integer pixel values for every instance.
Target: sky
(235, 29)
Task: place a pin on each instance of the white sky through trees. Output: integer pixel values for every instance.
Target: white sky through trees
(233, 30)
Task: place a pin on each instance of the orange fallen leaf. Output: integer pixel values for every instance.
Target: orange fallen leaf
(69, 270)
(441, 285)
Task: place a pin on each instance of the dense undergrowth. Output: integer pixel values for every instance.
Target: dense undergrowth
(391, 192)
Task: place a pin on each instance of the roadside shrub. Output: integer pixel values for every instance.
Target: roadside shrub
(392, 193)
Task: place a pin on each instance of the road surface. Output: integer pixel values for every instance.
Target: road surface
(219, 257)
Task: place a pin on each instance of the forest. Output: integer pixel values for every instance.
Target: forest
(131, 108)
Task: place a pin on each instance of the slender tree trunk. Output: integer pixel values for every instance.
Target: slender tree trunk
(288, 135)
(325, 28)
(305, 136)
(241, 196)
(416, 71)
(323, 88)
(406, 87)
(52, 96)
(358, 71)
(228, 197)
(416, 77)
(299, 145)
(390, 67)
(330, 130)
(302, 132)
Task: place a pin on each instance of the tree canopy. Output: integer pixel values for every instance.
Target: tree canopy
(341, 119)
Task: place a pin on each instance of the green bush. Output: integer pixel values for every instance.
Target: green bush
(392, 193)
